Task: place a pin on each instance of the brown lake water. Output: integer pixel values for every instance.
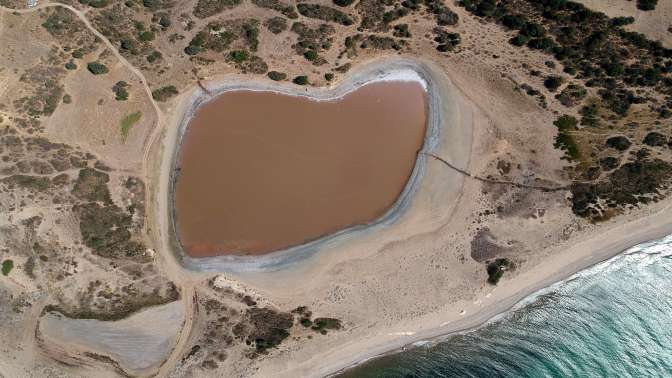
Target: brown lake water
(262, 171)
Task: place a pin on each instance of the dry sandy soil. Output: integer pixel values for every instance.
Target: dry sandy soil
(92, 275)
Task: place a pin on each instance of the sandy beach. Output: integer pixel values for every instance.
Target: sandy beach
(419, 222)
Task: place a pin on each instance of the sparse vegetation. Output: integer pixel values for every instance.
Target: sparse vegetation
(324, 13)
(127, 124)
(564, 140)
(277, 5)
(207, 8)
(164, 93)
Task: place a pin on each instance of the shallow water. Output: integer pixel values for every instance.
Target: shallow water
(262, 171)
(612, 320)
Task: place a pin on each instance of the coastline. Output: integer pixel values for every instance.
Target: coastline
(389, 69)
(604, 247)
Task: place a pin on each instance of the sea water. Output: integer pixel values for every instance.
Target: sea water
(611, 320)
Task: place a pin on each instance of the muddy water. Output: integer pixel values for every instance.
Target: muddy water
(261, 171)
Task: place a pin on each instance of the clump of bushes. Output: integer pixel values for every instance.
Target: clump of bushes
(97, 68)
(70, 66)
(146, 36)
(321, 325)
(497, 268)
(447, 41)
(207, 8)
(286, 9)
(401, 31)
(655, 139)
(343, 3)
(571, 95)
(553, 82)
(277, 76)
(324, 13)
(618, 142)
(120, 92)
(154, 56)
(647, 5)
(276, 25)
(564, 140)
(300, 80)
(239, 56)
(164, 93)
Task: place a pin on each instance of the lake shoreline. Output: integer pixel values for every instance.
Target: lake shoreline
(393, 69)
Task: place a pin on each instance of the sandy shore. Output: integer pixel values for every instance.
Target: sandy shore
(441, 114)
(387, 300)
(593, 250)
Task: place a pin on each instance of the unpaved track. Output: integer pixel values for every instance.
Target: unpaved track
(170, 267)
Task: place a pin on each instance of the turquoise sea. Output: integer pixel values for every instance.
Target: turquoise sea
(611, 320)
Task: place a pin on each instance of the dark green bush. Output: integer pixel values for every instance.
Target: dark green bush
(497, 268)
(97, 68)
(277, 76)
(164, 93)
(239, 56)
(300, 80)
(552, 83)
(146, 36)
(647, 5)
(7, 266)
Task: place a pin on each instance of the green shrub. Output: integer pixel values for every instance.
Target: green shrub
(70, 65)
(146, 36)
(322, 324)
(311, 55)
(277, 76)
(97, 68)
(154, 56)
(239, 56)
(119, 89)
(564, 140)
(7, 267)
(552, 83)
(497, 268)
(301, 80)
(343, 3)
(324, 13)
(127, 123)
(329, 76)
(647, 5)
(164, 93)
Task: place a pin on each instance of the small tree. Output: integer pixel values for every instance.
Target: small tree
(300, 80)
(239, 56)
(277, 76)
(552, 83)
(97, 68)
(7, 267)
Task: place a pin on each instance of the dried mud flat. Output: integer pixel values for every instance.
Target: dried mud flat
(139, 344)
